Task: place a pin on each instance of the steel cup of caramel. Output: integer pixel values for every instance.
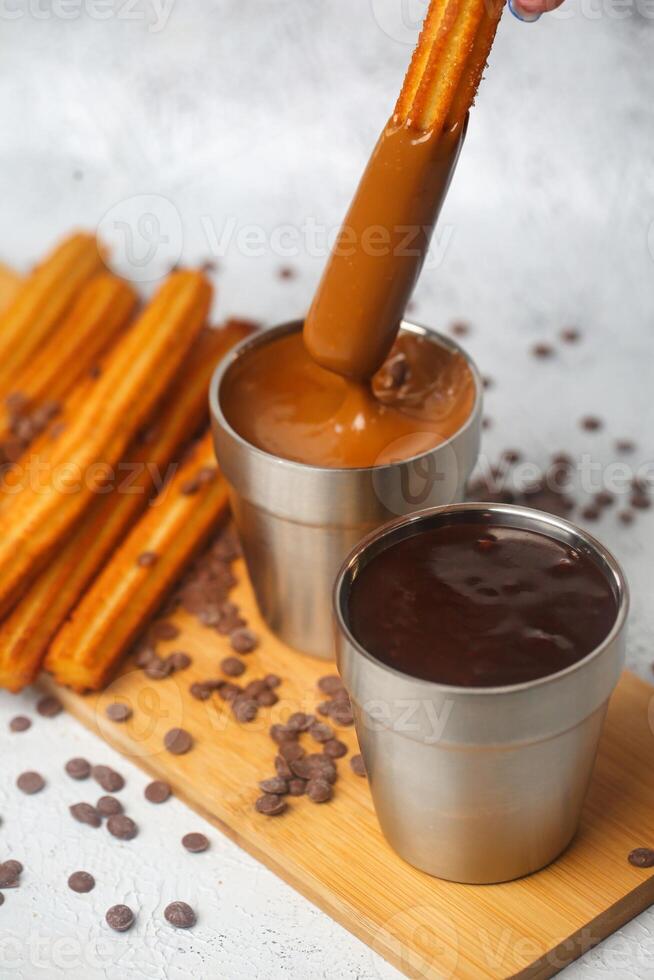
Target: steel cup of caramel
(298, 522)
(479, 784)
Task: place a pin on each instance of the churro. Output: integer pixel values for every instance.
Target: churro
(27, 631)
(128, 591)
(41, 300)
(101, 310)
(9, 285)
(136, 374)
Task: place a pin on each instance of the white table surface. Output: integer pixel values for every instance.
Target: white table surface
(242, 125)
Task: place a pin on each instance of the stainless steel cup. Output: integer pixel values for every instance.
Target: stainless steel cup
(479, 785)
(297, 523)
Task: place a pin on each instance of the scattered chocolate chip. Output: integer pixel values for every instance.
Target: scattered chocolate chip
(108, 806)
(110, 780)
(309, 767)
(145, 657)
(243, 640)
(319, 790)
(511, 456)
(570, 335)
(459, 328)
(542, 350)
(178, 741)
(2, 898)
(120, 918)
(245, 709)
(232, 666)
(78, 768)
(591, 423)
(9, 875)
(118, 712)
(49, 707)
(19, 724)
(275, 785)
(158, 791)
(297, 787)
(81, 882)
(640, 501)
(604, 499)
(85, 813)
(334, 748)
(291, 751)
(627, 516)
(282, 767)
(341, 714)
(267, 698)
(158, 669)
(163, 629)
(330, 685)
(299, 721)
(282, 733)
(254, 688)
(229, 691)
(201, 691)
(625, 446)
(272, 680)
(320, 732)
(147, 559)
(179, 660)
(180, 915)
(122, 827)
(357, 765)
(642, 857)
(270, 805)
(14, 866)
(30, 782)
(195, 843)
(591, 513)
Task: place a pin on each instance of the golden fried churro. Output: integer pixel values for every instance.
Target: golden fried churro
(42, 299)
(9, 285)
(34, 620)
(136, 374)
(87, 649)
(101, 310)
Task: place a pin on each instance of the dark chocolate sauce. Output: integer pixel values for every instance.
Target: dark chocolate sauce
(476, 605)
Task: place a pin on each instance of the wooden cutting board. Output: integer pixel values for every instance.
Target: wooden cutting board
(335, 853)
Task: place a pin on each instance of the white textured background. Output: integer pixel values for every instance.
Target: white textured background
(242, 126)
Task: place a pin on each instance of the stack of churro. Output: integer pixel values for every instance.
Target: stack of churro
(98, 411)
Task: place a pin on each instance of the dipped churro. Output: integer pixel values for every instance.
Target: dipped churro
(89, 647)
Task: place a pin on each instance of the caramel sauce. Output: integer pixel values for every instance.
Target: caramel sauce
(280, 400)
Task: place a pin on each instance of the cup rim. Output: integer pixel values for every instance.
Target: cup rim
(292, 326)
(530, 516)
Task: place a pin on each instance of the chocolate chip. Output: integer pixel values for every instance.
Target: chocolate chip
(282, 767)
(122, 827)
(190, 487)
(110, 780)
(147, 559)
(640, 501)
(163, 629)
(180, 915)
(158, 669)
(9, 875)
(254, 688)
(320, 732)
(19, 724)
(591, 513)
(341, 714)
(201, 691)
(357, 765)
(330, 684)
(245, 709)
(627, 516)
(570, 335)
(229, 691)
(334, 748)
(243, 640)
(108, 806)
(308, 768)
(282, 733)
(195, 843)
(299, 721)
(275, 785)
(625, 446)
(178, 741)
(459, 328)
(49, 707)
(118, 712)
(642, 857)
(81, 882)
(511, 456)
(542, 350)
(232, 666)
(85, 813)
(286, 272)
(179, 660)
(78, 768)
(157, 791)
(13, 865)
(291, 751)
(145, 656)
(270, 805)
(267, 698)
(296, 787)
(30, 782)
(591, 423)
(319, 790)
(272, 680)
(120, 918)
(604, 499)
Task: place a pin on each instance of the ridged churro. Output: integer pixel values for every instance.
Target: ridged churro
(101, 310)
(10, 283)
(36, 618)
(41, 300)
(89, 647)
(136, 375)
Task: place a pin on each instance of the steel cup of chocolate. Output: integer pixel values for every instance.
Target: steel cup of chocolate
(297, 522)
(479, 782)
